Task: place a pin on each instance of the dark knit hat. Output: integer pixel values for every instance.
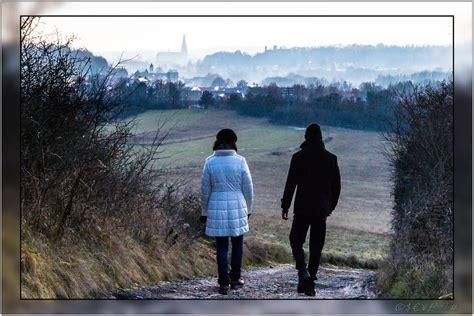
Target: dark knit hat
(227, 136)
(313, 131)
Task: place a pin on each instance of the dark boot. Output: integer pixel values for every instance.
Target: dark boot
(309, 286)
(303, 278)
(223, 289)
(300, 287)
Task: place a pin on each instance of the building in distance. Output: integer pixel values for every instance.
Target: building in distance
(173, 59)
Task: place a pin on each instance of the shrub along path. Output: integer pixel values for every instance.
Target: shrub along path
(266, 283)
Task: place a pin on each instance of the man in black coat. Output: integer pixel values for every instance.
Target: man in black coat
(314, 174)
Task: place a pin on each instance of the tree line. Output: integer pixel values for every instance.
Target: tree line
(138, 96)
(368, 107)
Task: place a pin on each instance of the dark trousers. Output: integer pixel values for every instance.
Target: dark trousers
(236, 258)
(317, 235)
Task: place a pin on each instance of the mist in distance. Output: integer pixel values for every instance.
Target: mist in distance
(304, 65)
(281, 50)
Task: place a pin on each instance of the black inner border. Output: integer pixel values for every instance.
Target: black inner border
(252, 16)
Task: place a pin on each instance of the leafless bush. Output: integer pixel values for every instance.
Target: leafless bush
(421, 154)
(181, 212)
(77, 166)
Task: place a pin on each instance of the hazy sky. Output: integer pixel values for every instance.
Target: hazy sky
(250, 34)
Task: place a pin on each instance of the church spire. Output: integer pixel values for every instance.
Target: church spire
(184, 47)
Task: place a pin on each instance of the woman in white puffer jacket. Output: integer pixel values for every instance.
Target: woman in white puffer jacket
(227, 197)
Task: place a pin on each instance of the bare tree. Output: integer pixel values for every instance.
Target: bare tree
(78, 169)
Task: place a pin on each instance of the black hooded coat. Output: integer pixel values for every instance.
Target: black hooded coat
(314, 173)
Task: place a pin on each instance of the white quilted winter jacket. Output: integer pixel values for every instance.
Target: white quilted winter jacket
(226, 194)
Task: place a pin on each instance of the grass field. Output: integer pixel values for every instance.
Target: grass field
(359, 227)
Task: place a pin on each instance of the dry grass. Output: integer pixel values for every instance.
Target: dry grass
(79, 269)
(258, 252)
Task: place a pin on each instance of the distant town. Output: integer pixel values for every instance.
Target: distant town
(226, 74)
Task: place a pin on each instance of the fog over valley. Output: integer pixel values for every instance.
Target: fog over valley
(281, 50)
(298, 65)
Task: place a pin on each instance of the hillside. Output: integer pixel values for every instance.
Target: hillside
(352, 63)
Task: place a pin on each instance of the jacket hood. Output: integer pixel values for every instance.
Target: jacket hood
(312, 142)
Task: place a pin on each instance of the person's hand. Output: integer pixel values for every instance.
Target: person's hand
(284, 215)
(203, 219)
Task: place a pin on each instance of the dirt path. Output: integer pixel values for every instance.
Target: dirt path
(266, 283)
